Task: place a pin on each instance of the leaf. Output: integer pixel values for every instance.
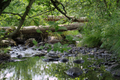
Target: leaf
(62, 27)
(56, 28)
(28, 0)
(41, 47)
(36, 22)
(51, 23)
(59, 44)
(35, 42)
(38, 31)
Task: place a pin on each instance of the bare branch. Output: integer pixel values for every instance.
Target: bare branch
(12, 13)
(42, 13)
(63, 7)
(56, 6)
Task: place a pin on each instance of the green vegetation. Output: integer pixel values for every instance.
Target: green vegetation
(102, 29)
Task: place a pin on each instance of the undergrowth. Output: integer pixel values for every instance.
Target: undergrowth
(103, 32)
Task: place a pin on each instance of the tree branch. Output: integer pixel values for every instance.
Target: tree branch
(12, 13)
(3, 5)
(42, 13)
(22, 19)
(56, 6)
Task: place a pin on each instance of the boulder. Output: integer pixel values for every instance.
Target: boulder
(7, 42)
(50, 59)
(53, 39)
(64, 60)
(39, 54)
(78, 61)
(74, 72)
(29, 42)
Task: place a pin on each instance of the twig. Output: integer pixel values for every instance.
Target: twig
(12, 13)
(56, 6)
(42, 13)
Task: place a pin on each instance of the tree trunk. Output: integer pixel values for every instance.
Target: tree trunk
(22, 19)
(56, 18)
(32, 29)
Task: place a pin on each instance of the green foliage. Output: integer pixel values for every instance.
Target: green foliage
(38, 31)
(92, 35)
(103, 28)
(35, 42)
(59, 47)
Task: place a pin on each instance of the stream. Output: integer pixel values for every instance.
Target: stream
(79, 63)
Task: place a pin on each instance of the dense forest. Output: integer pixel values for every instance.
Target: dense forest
(96, 20)
(103, 16)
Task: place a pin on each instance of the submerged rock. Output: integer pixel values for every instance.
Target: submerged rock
(39, 55)
(74, 72)
(53, 55)
(19, 56)
(51, 59)
(79, 61)
(64, 60)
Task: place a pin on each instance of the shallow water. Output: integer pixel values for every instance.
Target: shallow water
(33, 68)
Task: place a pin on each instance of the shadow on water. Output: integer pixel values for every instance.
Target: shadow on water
(35, 69)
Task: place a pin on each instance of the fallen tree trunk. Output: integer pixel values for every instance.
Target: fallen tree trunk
(32, 29)
(56, 18)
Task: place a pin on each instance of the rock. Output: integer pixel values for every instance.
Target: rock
(79, 36)
(17, 60)
(115, 70)
(72, 55)
(39, 55)
(100, 51)
(74, 72)
(86, 70)
(40, 44)
(19, 56)
(116, 73)
(64, 60)
(79, 61)
(29, 42)
(50, 59)
(7, 42)
(53, 55)
(19, 40)
(4, 56)
(52, 40)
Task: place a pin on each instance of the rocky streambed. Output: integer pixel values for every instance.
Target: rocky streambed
(75, 62)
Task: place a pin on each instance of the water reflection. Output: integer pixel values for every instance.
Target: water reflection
(32, 69)
(35, 69)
